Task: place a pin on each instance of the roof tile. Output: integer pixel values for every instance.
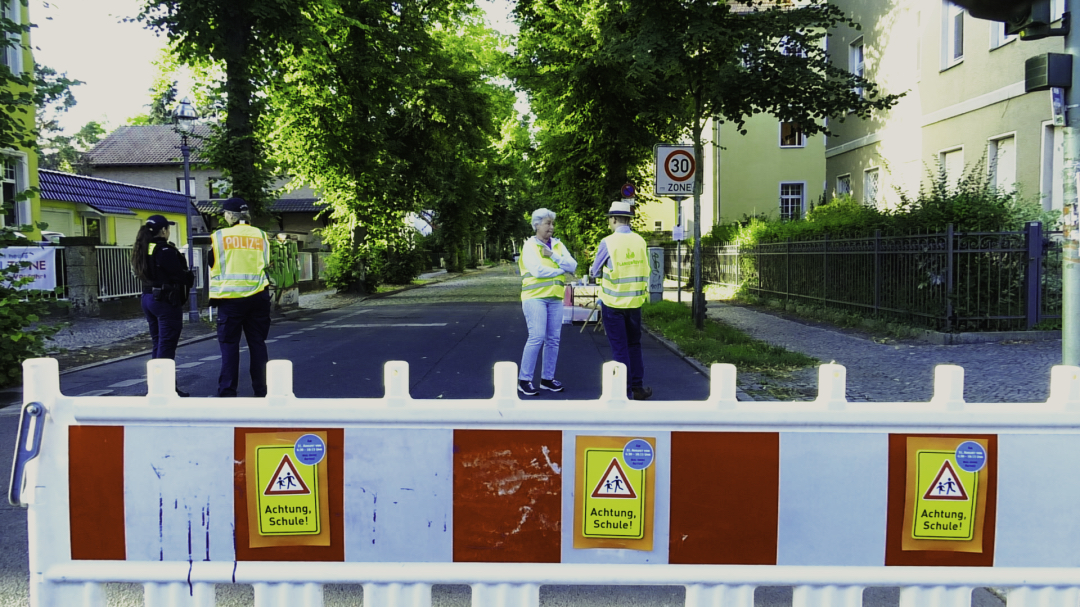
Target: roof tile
(108, 196)
(146, 145)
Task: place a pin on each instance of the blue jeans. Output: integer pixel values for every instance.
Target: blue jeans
(623, 328)
(165, 322)
(544, 318)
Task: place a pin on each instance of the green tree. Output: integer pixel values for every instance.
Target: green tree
(250, 38)
(392, 111)
(53, 97)
(67, 152)
(682, 62)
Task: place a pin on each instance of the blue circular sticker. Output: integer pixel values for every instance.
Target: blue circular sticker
(309, 449)
(638, 454)
(970, 456)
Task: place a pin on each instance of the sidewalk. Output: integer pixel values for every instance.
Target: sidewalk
(895, 370)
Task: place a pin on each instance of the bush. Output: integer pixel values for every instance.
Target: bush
(973, 205)
(401, 264)
(344, 271)
(20, 311)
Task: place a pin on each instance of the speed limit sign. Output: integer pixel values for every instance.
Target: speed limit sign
(675, 168)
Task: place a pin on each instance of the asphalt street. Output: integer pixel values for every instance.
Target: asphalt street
(451, 334)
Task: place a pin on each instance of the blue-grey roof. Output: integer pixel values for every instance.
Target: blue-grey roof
(108, 196)
(146, 145)
(281, 205)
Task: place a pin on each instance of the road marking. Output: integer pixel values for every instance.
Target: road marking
(189, 365)
(128, 382)
(211, 357)
(95, 393)
(11, 411)
(396, 324)
(269, 341)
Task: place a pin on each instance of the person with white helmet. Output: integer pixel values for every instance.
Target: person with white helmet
(622, 264)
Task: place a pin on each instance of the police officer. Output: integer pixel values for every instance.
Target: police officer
(623, 268)
(239, 260)
(165, 282)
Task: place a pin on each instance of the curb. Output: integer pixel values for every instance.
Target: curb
(740, 395)
(287, 314)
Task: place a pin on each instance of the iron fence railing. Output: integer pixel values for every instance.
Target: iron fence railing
(949, 281)
(115, 277)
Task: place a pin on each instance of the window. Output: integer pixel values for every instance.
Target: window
(8, 189)
(857, 62)
(92, 227)
(11, 55)
(952, 34)
(219, 187)
(843, 184)
(658, 226)
(180, 185)
(1002, 155)
(791, 47)
(952, 163)
(791, 135)
(13, 177)
(997, 35)
(791, 200)
(871, 186)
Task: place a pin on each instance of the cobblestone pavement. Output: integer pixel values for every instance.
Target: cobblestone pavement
(897, 370)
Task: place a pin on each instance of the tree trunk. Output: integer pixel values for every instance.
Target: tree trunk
(239, 159)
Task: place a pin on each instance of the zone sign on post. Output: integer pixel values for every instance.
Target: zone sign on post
(675, 168)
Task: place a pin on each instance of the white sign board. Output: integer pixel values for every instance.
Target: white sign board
(675, 168)
(42, 268)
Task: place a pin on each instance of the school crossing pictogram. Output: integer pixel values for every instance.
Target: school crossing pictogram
(286, 480)
(946, 485)
(613, 484)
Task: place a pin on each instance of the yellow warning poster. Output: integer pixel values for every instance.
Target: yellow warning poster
(286, 481)
(613, 496)
(945, 494)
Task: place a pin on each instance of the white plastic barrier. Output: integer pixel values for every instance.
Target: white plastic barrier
(829, 557)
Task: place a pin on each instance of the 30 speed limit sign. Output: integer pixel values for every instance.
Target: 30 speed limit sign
(675, 168)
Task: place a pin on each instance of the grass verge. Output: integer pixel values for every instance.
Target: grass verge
(719, 343)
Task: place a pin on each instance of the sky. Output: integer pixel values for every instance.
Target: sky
(86, 40)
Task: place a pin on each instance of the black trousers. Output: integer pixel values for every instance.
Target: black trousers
(250, 317)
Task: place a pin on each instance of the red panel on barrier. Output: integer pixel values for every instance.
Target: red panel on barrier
(507, 496)
(725, 498)
(894, 554)
(96, 492)
(335, 458)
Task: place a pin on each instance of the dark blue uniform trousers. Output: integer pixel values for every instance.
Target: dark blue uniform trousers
(249, 316)
(165, 321)
(623, 328)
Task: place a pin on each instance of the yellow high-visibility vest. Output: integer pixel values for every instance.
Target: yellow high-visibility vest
(241, 258)
(625, 284)
(537, 288)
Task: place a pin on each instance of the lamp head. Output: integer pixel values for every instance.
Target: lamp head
(185, 116)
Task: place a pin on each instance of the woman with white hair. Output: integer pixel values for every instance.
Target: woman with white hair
(545, 264)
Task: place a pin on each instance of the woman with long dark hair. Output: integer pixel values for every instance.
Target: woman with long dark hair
(166, 280)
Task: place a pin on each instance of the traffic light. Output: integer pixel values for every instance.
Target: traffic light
(1030, 19)
(1009, 11)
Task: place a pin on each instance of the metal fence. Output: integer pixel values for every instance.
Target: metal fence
(948, 281)
(115, 277)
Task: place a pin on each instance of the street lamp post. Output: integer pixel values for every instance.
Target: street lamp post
(185, 121)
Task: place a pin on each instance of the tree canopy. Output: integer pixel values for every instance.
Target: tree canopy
(393, 110)
(610, 79)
